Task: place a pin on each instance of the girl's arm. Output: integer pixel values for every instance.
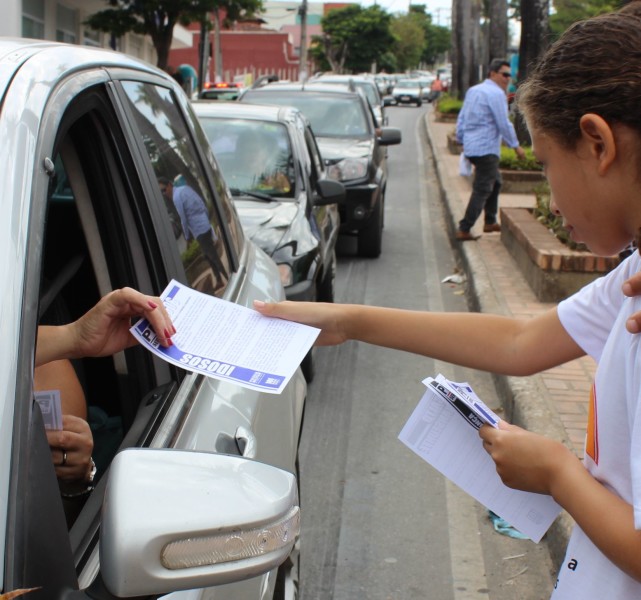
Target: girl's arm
(531, 462)
(481, 341)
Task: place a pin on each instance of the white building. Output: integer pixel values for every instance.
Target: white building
(62, 21)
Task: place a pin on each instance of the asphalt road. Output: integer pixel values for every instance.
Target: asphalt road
(378, 523)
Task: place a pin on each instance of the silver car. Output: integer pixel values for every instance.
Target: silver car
(195, 488)
(408, 91)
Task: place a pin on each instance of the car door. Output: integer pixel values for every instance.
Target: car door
(97, 222)
(327, 215)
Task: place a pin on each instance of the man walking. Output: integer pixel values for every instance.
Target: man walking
(481, 126)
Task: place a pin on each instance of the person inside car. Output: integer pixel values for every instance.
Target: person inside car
(102, 331)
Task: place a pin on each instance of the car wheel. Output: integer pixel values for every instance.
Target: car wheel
(419, 103)
(326, 286)
(370, 238)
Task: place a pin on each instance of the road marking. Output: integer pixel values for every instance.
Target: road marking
(466, 553)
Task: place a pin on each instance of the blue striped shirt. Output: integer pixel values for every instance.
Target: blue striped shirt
(483, 121)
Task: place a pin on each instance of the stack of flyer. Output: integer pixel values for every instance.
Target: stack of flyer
(443, 430)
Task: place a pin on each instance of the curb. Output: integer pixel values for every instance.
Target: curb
(525, 399)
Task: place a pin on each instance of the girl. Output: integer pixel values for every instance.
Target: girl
(581, 104)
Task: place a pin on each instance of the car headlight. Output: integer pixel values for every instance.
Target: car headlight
(348, 168)
(286, 274)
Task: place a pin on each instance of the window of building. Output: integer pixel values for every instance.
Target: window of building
(33, 19)
(91, 37)
(66, 24)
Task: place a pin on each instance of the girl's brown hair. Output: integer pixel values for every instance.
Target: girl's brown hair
(594, 67)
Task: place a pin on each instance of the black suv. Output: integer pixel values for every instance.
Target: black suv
(352, 148)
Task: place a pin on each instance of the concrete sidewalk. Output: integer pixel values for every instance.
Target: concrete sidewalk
(555, 402)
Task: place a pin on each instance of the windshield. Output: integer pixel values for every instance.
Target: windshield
(255, 156)
(330, 115)
(407, 84)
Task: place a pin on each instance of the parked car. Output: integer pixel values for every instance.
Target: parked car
(365, 83)
(222, 90)
(352, 147)
(286, 203)
(408, 91)
(202, 467)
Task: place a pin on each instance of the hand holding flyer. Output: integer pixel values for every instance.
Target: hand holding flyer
(443, 430)
(227, 341)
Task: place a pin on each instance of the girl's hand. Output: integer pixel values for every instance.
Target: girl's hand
(524, 460)
(71, 449)
(329, 318)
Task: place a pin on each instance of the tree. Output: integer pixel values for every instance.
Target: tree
(410, 40)
(465, 45)
(436, 38)
(353, 38)
(497, 13)
(567, 12)
(149, 17)
(534, 33)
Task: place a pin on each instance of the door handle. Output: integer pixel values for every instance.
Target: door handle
(246, 441)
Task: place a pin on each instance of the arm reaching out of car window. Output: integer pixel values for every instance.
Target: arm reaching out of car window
(104, 329)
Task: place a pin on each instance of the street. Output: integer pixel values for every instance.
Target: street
(379, 523)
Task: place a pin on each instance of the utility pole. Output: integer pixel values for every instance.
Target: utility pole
(302, 69)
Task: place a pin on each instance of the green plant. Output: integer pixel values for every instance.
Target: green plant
(448, 105)
(544, 215)
(509, 160)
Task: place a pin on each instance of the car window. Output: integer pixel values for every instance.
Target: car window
(255, 156)
(183, 185)
(330, 115)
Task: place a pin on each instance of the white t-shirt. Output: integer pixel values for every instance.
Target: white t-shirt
(595, 317)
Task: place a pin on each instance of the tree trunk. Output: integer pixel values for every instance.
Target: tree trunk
(498, 29)
(162, 43)
(465, 45)
(534, 33)
(534, 42)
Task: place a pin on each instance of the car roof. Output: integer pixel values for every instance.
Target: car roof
(242, 110)
(57, 59)
(360, 79)
(308, 87)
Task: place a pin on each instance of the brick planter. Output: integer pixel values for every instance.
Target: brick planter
(520, 182)
(552, 270)
(440, 117)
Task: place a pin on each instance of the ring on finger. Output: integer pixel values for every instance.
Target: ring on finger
(64, 458)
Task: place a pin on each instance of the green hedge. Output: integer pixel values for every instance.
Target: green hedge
(448, 105)
(509, 160)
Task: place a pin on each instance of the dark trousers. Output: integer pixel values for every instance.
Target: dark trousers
(206, 241)
(485, 191)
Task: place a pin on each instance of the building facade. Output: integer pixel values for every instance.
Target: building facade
(64, 22)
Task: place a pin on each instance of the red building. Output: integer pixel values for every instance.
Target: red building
(245, 50)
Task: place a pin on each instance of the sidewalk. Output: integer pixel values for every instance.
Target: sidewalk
(555, 402)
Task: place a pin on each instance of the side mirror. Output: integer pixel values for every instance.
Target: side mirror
(389, 136)
(175, 520)
(330, 191)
